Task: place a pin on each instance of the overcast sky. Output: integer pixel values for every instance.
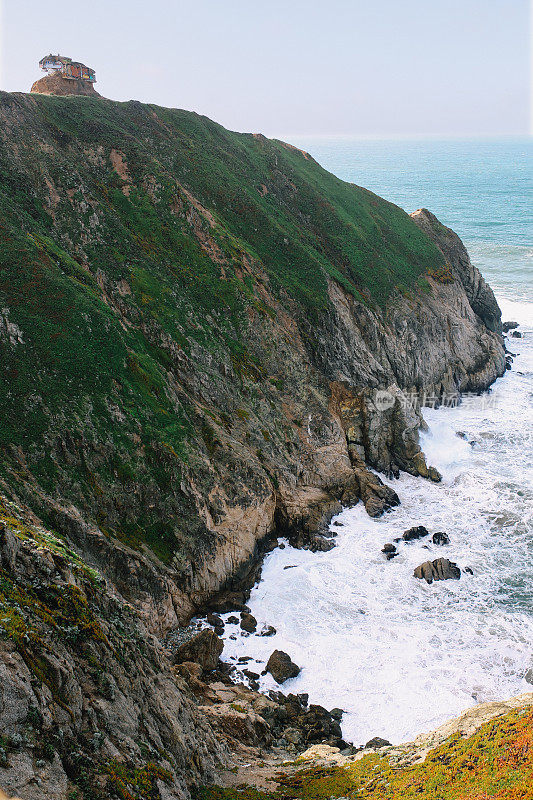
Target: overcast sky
(352, 67)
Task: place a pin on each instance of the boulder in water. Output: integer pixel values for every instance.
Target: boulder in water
(216, 622)
(516, 335)
(417, 532)
(439, 570)
(440, 538)
(509, 326)
(248, 622)
(389, 551)
(281, 667)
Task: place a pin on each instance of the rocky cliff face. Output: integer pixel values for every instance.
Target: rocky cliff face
(208, 319)
(206, 339)
(89, 705)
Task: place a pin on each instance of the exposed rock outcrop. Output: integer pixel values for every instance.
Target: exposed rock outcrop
(88, 700)
(281, 666)
(416, 532)
(480, 295)
(63, 87)
(468, 739)
(204, 649)
(439, 570)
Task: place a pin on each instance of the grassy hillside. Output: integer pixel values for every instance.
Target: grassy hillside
(146, 256)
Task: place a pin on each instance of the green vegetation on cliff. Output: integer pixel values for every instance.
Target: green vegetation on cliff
(495, 763)
(144, 252)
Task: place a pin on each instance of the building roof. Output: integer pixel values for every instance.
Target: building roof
(51, 57)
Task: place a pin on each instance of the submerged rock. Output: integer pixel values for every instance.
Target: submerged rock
(439, 570)
(418, 532)
(516, 335)
(268, 630)
(281, 666)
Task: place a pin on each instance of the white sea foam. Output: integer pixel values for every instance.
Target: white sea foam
(398, 655)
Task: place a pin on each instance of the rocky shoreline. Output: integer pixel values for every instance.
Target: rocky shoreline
(208, 360)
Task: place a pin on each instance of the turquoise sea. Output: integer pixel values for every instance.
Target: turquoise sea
(483, 189)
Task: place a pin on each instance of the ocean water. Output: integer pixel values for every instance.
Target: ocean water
(400, 656)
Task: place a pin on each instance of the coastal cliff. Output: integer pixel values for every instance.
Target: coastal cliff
(207, 340)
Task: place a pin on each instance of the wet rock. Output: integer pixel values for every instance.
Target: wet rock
(469, 570)
(389, 551)
(319, 544)
(376, 743)
(439, 570)
(233, 620)
(440, 538)
(216, 622)
(204, 648)
(509, 326)
(281, 667)
(337, 713)
(248, 622)
(516, 335)
(254, 676)
(228, 601)
(321, 727)
(268, 630)
(528, 677)
(338, 524)
(417, 532)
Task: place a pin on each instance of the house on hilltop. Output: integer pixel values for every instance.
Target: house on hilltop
(65, 77)
(67, 68)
